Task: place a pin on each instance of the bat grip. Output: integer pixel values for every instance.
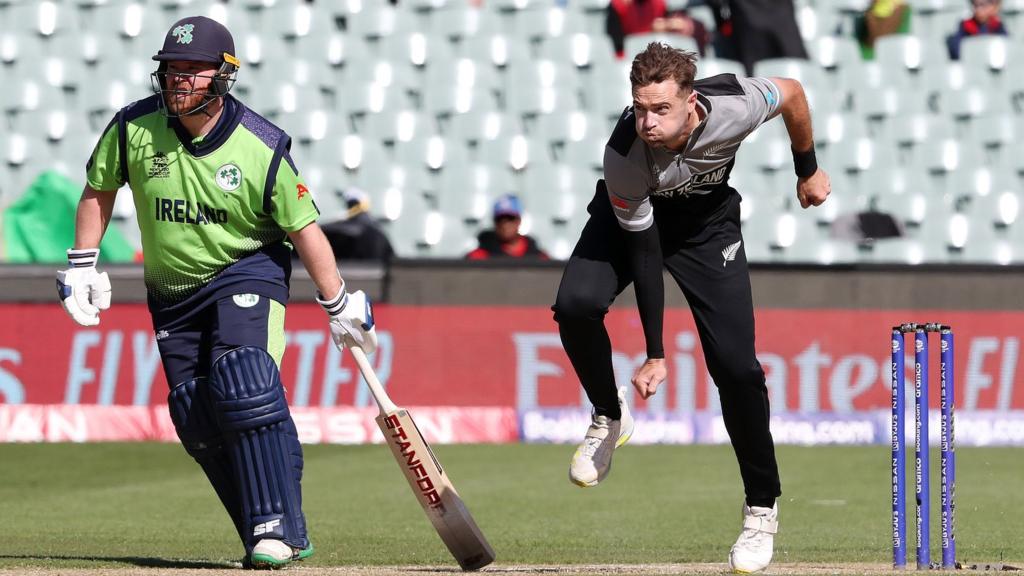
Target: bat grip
(376, 388)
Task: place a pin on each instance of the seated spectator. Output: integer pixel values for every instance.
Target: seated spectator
(505, 241)
(628, 17)
(882, 18)
(984, 20)
(357, 236)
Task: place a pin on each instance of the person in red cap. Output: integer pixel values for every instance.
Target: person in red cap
(504, 240)
(220, 203)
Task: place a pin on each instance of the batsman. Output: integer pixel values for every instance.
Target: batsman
(220, 205)
(666, 202)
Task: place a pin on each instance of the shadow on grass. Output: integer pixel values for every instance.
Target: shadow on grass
(132, 560)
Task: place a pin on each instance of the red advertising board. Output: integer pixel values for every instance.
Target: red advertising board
(815, 360)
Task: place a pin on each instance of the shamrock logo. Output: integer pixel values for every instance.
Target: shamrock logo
(229, 177)
(184, 33)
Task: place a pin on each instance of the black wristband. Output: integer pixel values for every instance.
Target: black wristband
(804, 163)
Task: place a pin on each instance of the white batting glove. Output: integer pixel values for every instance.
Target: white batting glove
(82, 291)
(351, 319)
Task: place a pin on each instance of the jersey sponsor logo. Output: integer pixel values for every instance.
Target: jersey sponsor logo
(620, 203)
(769, 98)
(159, 168)
(302, 190)
(704, 180)
(183, 33)
(162, 334)
(184, 212)
(246, 300)
(229, 177)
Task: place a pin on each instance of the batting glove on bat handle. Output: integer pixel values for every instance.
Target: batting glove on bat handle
(83, 291)
(351, 320)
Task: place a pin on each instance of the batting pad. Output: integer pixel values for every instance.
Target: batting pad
(192, 414)
(260, 437)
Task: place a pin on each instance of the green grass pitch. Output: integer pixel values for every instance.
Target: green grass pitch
(110, 505)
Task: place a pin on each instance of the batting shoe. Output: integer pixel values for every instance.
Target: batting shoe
(270, 554)
(593, 459)
(752, 551)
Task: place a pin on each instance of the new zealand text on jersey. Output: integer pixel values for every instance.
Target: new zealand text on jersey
(185, 212)
(706, 180)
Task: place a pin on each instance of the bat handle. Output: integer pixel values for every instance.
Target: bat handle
(376, 388)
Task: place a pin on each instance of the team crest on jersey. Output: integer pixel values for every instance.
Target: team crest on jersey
(229, 177)
(159, 167)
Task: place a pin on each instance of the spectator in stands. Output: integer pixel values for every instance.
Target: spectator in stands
(984, 20)
(762, 29)
(882, 18)
(628, 17)
(505, 241)
(357, 236)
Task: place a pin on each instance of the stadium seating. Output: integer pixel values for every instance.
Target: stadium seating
(435, 107)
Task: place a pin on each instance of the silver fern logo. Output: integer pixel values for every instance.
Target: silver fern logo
(730, 251)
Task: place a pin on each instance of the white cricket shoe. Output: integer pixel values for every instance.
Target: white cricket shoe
(752, 551)
(593, 459)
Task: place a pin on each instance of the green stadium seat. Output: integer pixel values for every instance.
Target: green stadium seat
(477, 126)
(832, 128)
(460, 22)
(44, 19)
(447, 99)
(516, 152)
(557, 191)
(501, 50)
(547, 22)
(575, 125)
(583, 154)
(418, 50)
(334, 49)
(708, 67)
(916, 129)
(901, 56)
(467, 192)
(463, 72)
(430, 152)
(297, 20)
(378, 21)
(579, 49)
(398, 126)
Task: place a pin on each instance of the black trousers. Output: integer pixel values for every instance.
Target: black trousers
(718, 291)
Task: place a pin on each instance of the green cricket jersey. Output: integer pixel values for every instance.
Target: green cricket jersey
(213, 210)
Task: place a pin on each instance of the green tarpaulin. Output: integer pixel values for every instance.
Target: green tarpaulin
(40, 226)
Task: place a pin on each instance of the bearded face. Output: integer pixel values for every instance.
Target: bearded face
(186, 86)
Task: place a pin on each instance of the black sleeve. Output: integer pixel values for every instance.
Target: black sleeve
(644, 251)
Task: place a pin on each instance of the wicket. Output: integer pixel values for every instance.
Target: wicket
(921, 445)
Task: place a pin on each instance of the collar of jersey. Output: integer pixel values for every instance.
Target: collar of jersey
(225, 126)
(702, 100)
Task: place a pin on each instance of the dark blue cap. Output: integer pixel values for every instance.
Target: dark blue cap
(507, 205)
(198, 39)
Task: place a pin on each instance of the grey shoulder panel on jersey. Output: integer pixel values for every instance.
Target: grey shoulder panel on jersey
(624, 134)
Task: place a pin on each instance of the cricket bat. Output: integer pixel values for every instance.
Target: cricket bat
(429, 483)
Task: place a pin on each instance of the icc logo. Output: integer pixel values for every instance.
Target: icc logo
(919, 345)
(944, 346)
(895, 345)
